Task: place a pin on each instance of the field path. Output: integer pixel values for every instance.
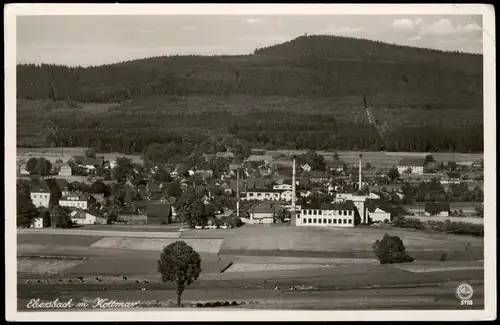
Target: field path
(104, 233)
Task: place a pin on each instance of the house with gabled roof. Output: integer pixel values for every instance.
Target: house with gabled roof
(78, 159)
(159, 212)
(92, 163)
(414, 164)
(262, 213)
(306, 167)
(378, 210)
(205, 174)
(227, 188)
(453, 177)
(40, 193)
(441, 209)
(336, 165)
(317, 176)
(65, 170)
(225, 155)
(85, 217)
(75, 200)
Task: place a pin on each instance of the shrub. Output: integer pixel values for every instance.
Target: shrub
(391, 250)
(225, 303)
(234, 303)
(412, 223)
(199, 304)
(217, 304)
(458, 228)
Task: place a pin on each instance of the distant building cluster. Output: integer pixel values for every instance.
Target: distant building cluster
(264, 182)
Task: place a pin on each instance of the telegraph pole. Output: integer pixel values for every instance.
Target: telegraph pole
(294, 183)
(238, 193)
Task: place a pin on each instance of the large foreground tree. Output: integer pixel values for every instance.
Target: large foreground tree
(179, 263)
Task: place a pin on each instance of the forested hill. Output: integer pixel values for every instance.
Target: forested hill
(318, 66)
(314, 92)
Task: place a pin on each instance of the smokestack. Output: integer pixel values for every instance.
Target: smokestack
(238, 193)
(293, 194)
(360, 171)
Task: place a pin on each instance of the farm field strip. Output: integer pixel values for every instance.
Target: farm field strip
(252, 267)
(102, 233)
(156, 244)
(298, 260)
(416, 269)
(44, 266)
(60, 240)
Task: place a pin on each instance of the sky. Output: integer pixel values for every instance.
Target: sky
(95, 40)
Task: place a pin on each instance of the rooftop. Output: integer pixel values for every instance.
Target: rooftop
(434, 207)
(159, 209)
(75, 197)
(39, 187)
(264, 190)
(263, 208)
(346, 205)
(93, 161)
(413, 161)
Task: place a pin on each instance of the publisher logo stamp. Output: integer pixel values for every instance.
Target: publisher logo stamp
(465, 292)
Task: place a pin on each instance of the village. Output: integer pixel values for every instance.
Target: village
(265, 188)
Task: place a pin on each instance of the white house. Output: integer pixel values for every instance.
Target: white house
(262, 214)
(37, 223)
(400, 195)
(262, 195)
(75, 200)
(305, 193)
(414, 165)
(65, 191)
(286, 196)
(306, 167)
(23, 171)
(40, 194)
(81, 217)
(373, 196)
(93, 163)
(341, 214)
(287, 187)
(379, 215)
(65, 170)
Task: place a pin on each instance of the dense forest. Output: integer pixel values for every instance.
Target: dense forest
(309, 93)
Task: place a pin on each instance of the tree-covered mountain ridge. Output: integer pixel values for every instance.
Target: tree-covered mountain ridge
(314, 92)
(312, 66)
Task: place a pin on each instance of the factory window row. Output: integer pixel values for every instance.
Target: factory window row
(321, 212)
(326, 221)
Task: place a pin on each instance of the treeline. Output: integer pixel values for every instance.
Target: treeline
(313, 66)
(270, 130)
